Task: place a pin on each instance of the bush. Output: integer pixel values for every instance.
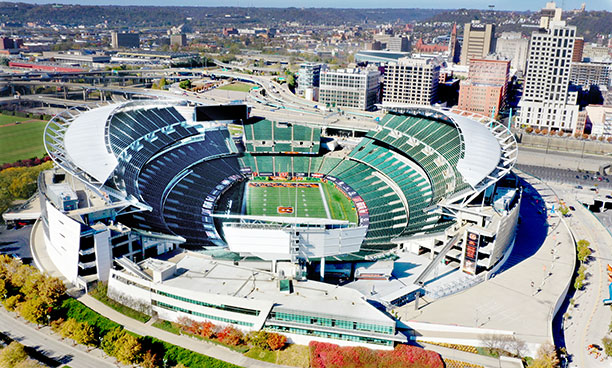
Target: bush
(258, 339)
(325, 355)
(579, 282)
(231, 336)
(276, 341)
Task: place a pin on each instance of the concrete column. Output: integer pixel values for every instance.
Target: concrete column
(274, 265)
(65, 93)
(322, 270)
(84, 94)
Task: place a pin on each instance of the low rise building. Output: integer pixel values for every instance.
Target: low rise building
(586, 74)
(485, 89)
(411, 81)
(354, 88)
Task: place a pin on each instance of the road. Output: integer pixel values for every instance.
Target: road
(589, 318)
(50, 345)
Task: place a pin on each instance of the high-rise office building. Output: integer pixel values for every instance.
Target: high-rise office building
(547, 101)
(512, 46)
(485, 89)
(308, 77)
(355, 88)
(411, 81)
(125, 40)
(477, 41)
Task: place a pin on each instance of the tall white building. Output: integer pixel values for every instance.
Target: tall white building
(411, 81)
(512, 46)
(356, 88)
(547, 101)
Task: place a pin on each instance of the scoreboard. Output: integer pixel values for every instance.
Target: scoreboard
(470, 255)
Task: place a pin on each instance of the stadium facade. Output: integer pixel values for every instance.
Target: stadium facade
(210, 213)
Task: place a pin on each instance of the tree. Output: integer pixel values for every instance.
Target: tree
(12, 355)
(128, 349)
(12, 302)
(162, 83)
(150, 360)
(583, 250)
(546, 358)
(276, 341)
(186, 84)
(69, 328)
(33, 310)
(109, 341)
(84, 334)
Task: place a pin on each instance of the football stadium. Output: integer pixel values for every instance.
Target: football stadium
(311, 230)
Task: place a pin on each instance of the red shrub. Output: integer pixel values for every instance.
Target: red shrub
(230, 336)
(206, 329)
(324, 355)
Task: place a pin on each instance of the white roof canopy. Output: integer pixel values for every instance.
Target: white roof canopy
(85, 144)
(482, 150)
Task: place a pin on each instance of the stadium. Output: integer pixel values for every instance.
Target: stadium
(217, 214)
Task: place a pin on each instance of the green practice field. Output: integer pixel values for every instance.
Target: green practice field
(310, 199)
(240, 87)
(22, 141)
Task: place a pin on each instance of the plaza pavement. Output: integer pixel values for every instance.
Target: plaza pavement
(522, 297)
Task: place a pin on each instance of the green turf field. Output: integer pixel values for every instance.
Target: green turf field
(22, 141)
(299, 202)
(240, 87)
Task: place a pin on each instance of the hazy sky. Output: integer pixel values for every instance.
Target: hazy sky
(445, 4)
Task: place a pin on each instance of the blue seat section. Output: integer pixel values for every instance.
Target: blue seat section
(158, 174)
(130, 125)
(190, 203)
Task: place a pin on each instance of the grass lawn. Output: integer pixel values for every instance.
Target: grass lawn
(235, 129)
(9, 119)
(167, 326)
(237, 86)
(20, 142)
(260, 354)
(295, 356)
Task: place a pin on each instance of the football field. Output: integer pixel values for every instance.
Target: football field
(298, 199)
